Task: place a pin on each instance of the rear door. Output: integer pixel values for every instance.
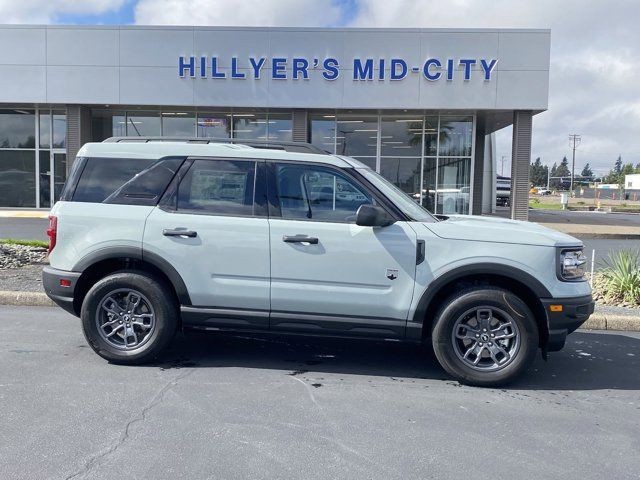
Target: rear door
(212, 227)
(329, 275)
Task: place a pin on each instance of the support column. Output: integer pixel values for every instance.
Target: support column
(78, 131)
(300, 128)
(478, 167)
(520, 160)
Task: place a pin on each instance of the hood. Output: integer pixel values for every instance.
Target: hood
(500, 230)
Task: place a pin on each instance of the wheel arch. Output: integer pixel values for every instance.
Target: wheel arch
(521, 283)
(109, 260)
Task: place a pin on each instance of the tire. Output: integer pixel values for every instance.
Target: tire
(485, 336)
(131, 333)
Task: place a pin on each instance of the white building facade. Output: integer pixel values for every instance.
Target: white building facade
(417, 105)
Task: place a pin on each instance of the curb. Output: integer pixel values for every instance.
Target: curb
(597, 321)
(25, 299)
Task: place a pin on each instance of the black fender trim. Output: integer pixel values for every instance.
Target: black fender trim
(106, 254)
(415, 324)
(171, 273)
(138, 254)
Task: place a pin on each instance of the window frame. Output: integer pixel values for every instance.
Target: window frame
(351, 174)
(169, 201)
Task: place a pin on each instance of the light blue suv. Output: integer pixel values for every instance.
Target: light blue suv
(153, 236)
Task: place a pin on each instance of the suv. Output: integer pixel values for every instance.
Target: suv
(152, 237)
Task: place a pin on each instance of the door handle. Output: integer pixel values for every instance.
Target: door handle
(167, 232)
(300, 239)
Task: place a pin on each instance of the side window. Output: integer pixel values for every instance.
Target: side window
(318, 193)
(146, 187)
(218, 187)
(103, 176)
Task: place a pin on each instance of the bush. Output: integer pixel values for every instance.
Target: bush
(621, 276)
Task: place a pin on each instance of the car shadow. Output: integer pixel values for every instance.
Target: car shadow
(589, 361)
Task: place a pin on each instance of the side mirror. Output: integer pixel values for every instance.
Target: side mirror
(372, 216)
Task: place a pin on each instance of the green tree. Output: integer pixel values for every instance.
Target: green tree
(538, 173)
(586, 171)
(618, 165)
(563, 168)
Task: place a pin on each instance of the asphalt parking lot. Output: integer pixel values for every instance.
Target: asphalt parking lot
(234, 407)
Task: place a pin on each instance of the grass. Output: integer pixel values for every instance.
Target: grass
(27, 243)
(545, 206)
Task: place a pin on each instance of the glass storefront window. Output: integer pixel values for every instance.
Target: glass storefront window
(250, 126)
(431, 136)
(178, 124)
(118, 126)
(404, 173)
(17, 129)
(45, 129)
(400, 136)
(280, 127)
(17, 178)
(322, 131)
(429, 184)
(357, 137)
(456, 136)
(143, 124)
(214, 125)
(59, 130)
(454, 188)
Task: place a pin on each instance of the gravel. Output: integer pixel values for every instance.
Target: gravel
(16, 256)
(21, 268)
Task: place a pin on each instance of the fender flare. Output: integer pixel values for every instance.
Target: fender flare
(138, 254)
(520, 276)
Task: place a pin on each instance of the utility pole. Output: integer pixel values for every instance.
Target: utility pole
(502, 165)
(574, 141)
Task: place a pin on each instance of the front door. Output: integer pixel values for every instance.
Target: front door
(329, 275)
(51, 176)
(214, 231)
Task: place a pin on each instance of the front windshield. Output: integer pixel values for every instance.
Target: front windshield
(410, 208)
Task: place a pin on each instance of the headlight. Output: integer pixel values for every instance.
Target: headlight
(572, 264)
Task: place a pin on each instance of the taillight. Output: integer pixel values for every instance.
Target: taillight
(52, 232)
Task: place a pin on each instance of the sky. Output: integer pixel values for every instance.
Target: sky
(595, 51)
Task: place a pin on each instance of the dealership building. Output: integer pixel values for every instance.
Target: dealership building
(417, 105)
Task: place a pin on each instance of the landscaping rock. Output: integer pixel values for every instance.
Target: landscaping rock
(16, 256)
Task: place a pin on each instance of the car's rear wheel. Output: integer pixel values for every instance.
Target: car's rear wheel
(485, 336)
(129, 317)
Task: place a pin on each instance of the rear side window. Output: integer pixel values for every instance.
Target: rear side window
(218, 187)
(124, 180)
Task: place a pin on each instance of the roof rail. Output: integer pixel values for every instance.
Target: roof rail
(298, 147)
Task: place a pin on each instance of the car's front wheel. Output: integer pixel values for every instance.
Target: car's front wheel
(129, 317)
(485, 336)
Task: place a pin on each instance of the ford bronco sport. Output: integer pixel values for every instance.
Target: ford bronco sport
(153, 236)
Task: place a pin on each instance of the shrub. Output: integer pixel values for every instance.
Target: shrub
(621, 275)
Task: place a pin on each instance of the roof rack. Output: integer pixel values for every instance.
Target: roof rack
(298, 147)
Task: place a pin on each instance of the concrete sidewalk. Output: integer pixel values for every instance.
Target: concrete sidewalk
(620, 232)
(25, 213)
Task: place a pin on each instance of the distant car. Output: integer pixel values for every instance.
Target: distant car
(544, 191)
(503, 191)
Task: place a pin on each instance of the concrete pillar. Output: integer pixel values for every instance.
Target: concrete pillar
(78, 131)
(520, 160)
(489, 175)
(478, 168)
(300, 126)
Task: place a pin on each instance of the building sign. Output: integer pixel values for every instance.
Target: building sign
(360, 69)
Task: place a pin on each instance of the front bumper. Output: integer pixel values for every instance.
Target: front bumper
(566, 315)
(62, 295)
